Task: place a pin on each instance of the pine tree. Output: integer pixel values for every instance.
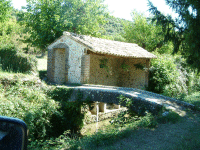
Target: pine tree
(184, 30)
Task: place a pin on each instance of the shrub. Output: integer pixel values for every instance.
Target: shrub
(30, 104)
(169, 76)
(193, 99)
(69, 115)
(43, 74)
(11, 59)
(11, 79)
(131, 117)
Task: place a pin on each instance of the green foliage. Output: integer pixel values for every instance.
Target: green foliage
(63, 141)
(11, 32)
(11, 59)
(46, 20)
(113, 29)
(129, 116)
(139, 66)
(69, 115)
(125, 67)
(30, 104)
(168, 76)
(42, 74)
(30, 101)
(146, 34)
(103, 63)
(194, 99)
(60, 94)
(123, 118)
(5, 10)
(183, 31)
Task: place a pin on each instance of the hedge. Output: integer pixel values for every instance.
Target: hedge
(12, 59)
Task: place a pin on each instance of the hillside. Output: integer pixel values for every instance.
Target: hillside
(113, 28)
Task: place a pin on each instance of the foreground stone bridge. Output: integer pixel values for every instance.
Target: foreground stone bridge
(142, 100)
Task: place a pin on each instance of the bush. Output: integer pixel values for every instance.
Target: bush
(43, 74)
(11, 59)
(69, 115)
(34, 103)
(169, 75)
(12, 79)
(194, 99)
(30, 104)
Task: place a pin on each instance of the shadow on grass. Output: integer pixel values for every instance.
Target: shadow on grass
(43, 75)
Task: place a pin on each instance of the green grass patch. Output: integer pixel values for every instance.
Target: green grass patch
(169, 117)
(104, 138)
(192, 140)
(11, 78)
(193, 99)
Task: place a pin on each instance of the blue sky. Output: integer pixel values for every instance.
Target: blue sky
(122, 8)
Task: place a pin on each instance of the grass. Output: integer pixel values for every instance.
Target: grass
(194, 99)
(42, 63)
(171, 117)
(108, 138)
(112, 137)
(191, 141)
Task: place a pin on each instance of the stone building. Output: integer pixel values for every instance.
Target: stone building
(88, 60)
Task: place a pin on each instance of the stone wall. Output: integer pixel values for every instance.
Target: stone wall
(81, 67)
(74, 52)
(132, 73)
(103, 76)
(119, 71)
(85, 69)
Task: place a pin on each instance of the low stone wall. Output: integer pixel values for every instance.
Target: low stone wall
(111, 95)
(142, 100)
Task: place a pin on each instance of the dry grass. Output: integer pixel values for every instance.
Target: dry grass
(42, 63)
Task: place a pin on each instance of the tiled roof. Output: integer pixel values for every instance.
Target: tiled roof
(109, 47)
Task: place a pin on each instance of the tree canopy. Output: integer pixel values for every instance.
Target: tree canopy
(5, 9)
(184, 30)
(145, 33)
(47, 19)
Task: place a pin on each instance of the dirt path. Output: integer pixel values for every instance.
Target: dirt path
(165, 137)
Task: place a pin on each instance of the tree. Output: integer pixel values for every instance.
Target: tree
(5, 9)
(113, 29)
(10, 31)
(145, 33)
(47, 19)
(184, 30)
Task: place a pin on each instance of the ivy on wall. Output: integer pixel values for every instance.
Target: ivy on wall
(140, 66)
(125, 67)
(103, 63)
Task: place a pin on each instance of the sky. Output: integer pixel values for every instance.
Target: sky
(123, 8)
